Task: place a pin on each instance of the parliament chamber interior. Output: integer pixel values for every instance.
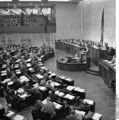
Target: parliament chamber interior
(57, 60)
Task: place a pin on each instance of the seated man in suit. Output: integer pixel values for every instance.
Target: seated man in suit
(34, 92)
(36, 110)
(73, 116)
(43, 82)
(52, 96)
(50, 86)
(49, 110)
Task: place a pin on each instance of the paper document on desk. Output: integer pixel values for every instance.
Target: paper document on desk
(10, 83)
(39, 76)
(23, 96)
(6, 80)
(28, 64)
(71, 97)
(61, 94)
(18, 117)
(68, 79)
(57, 106)
(10, 113)
(20, 90)
(96, 116)
(89, 101)
(57, 84)
(70, 88)
(24, 79)
(28, 60)
(42, 88)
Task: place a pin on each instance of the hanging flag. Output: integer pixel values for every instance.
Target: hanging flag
(102, 28)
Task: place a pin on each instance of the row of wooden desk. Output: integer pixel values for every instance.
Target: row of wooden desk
(107, 71)
(72, 66)
(20, 93)
(72, 49)
(75, 93)
(96, 54)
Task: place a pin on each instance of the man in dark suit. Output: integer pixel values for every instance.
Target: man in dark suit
(49, 109)
(36, 110)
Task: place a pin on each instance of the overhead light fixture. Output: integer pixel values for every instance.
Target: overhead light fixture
(59, 0)
(30, 0)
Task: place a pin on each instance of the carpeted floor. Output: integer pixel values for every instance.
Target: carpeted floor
(94, 85)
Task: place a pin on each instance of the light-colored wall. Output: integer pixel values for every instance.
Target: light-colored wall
(92, 15)
(68, 20)
(82, 20)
